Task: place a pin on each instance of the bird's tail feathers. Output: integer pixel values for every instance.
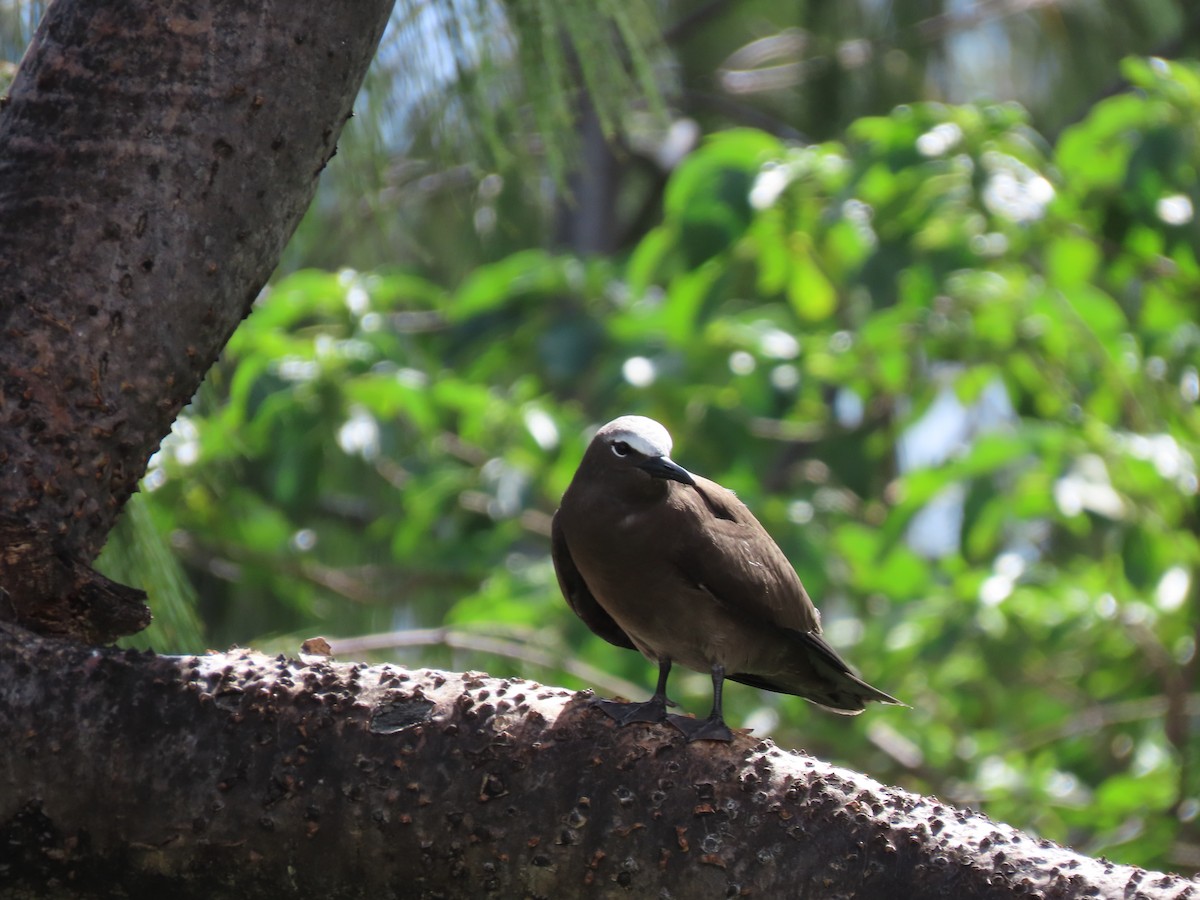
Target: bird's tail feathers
(851, 696)
(835, 688)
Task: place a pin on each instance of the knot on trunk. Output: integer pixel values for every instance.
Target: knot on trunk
(43, 589)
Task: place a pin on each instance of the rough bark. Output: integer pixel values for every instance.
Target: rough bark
(154, 159)
(129, 774)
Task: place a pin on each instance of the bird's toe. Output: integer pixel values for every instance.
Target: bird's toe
(709, 729)
(653, 710)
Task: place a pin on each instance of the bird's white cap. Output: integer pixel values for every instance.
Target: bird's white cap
(643, 435)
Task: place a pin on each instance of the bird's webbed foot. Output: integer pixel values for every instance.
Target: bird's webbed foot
(710, 729)
(653, 710)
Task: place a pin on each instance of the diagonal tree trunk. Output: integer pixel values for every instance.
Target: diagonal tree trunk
(155, 157)
(241, 775)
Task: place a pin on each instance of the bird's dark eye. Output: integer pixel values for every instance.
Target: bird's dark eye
(620, 448)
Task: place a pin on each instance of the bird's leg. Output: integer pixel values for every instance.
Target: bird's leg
(713, 728)
(652, 710)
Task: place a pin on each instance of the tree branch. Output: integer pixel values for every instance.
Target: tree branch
(251, 775)
(520, 646)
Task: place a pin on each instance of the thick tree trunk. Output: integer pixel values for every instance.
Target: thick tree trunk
(154, 159)
(241, 775)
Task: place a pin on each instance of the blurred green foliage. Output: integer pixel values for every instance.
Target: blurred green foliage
(950, 366)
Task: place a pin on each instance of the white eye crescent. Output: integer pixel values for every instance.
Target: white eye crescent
(620, 448)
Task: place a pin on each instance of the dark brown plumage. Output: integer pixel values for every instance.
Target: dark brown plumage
(673, 565)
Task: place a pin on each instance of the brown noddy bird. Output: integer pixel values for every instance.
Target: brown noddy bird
(656, 559)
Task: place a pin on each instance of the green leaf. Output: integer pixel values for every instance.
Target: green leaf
(649, 258)
(1098, 311)
(708, 196)
(686, 297)
(810, 292)
(1071, 261)
(530, 272)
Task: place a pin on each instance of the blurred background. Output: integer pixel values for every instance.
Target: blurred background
(918, 279)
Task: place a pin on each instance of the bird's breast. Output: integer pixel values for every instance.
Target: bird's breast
(631, 567)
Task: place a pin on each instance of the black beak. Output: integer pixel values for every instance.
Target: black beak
(662, 467)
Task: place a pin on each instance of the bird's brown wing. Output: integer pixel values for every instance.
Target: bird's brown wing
(578, 595)
(731, 555)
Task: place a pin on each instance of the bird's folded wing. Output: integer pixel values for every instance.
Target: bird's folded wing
(578, 596)
(734, 559)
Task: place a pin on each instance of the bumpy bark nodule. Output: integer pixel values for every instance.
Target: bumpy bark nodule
(237, 774)
(154, 159)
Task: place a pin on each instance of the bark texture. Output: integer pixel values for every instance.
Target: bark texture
(127, 774)
(154, 159)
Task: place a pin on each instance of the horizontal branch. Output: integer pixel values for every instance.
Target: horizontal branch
(240, 774)
(520, 646)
